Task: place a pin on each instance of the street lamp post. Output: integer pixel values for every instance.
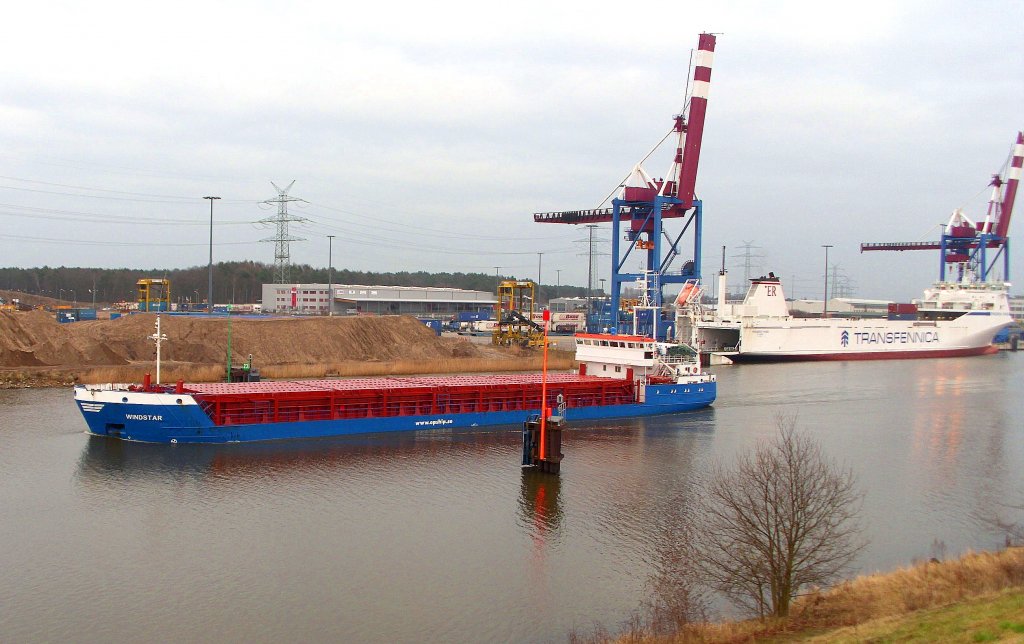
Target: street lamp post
(330, 276)
(558, 282)
(590, 270)
(196, 305)
(209, 284)
(824, 312)
(540, 256)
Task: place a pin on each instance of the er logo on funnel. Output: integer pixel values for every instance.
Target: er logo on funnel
(844, 339)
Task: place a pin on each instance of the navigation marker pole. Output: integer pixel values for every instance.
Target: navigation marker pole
(544, 381)
(542, 434)
(158, 338)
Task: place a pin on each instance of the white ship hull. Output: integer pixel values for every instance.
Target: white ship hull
(839, 339)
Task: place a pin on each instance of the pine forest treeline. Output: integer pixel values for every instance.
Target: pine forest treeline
(233, 282)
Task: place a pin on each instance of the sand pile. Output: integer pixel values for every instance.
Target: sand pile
(36, 339)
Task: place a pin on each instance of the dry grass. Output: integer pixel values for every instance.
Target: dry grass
(924, 585)
(189, 372)
(168, 373)
(872, 597)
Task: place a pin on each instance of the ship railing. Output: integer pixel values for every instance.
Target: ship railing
(109, 386)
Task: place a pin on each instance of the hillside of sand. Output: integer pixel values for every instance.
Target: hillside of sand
(33, 342)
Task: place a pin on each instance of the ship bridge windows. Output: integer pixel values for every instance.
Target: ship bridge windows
(940, 316)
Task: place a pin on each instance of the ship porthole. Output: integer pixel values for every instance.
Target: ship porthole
(125, 399)
(178, 401)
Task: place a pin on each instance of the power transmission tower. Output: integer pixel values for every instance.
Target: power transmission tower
(592, 256)
(842, 284)
(750, 261)
(282, 253)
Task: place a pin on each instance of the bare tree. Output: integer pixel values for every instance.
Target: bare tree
(782, 518)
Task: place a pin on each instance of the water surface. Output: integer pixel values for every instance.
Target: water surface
(440, 536)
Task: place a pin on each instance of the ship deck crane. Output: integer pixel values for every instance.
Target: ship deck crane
(645, 203)
(966, 245)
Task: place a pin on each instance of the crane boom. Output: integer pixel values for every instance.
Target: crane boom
(1012, 179)
(694, 127)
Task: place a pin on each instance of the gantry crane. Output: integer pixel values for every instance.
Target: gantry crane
(153, 294)
(966, 246)
(644, 203)
(514, 315)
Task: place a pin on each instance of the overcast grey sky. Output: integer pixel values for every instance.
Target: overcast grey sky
(424, 135)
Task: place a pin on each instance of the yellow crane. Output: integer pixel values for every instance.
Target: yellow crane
(514, 315)
(153, 294)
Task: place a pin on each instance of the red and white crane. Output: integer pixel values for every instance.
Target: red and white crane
(643, 202)
(965, 244)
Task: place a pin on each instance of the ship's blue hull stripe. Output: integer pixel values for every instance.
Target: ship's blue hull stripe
(189, 424)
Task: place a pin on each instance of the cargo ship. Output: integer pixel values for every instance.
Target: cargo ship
(619, 376)
(951, 319)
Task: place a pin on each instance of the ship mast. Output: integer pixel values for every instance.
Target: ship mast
(158, 338)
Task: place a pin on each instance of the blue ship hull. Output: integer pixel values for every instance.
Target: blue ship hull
(177, 423)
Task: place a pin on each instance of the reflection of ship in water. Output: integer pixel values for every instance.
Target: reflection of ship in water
(105, 460)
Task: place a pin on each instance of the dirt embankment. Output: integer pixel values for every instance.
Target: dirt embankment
(36, 350)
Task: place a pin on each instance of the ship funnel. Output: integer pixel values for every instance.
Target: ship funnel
(765, 297)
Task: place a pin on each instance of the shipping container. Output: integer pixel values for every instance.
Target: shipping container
(897, 307)
(434, 325)
(473, 316)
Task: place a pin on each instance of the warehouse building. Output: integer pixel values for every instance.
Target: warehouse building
(352, 299)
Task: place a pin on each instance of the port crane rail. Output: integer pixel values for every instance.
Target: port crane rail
(965, 244)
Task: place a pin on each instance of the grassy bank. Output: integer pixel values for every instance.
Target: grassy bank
(978, 597)
(990, 617)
